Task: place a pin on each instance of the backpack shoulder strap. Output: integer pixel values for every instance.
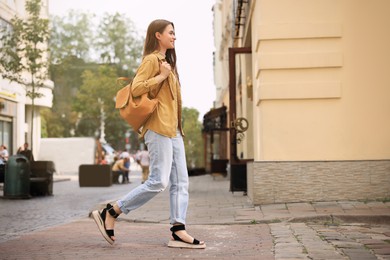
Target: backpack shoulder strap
(159, 88)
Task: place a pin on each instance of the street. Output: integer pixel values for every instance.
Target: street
(69, 202)
(58, 226)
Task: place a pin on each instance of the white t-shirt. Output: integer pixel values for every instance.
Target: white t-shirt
(143, 157)
(4, 154)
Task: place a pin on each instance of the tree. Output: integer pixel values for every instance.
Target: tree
(193, 141)
(24, 51)
(118, 43)
(99, 89)
(71, 36)
(78, 46)
(70, 48)
(67, 76)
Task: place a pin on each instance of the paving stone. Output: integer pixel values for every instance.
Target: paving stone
(280, 206)
(139, 241)
(294, 246)
(359, 254)
(290, 258)
(378, 246)
(382, 251)
(327, 256)
(358, 236)
(377, 205)
(49, 232)
(346, 244)
(287, 239)
(371, 241)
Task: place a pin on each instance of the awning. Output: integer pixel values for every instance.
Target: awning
(215, 119)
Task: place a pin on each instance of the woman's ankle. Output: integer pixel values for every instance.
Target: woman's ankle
(117, 209)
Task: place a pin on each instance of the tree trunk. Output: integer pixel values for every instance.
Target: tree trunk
(32, 111)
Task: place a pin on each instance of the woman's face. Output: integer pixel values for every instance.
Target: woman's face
(167, 38)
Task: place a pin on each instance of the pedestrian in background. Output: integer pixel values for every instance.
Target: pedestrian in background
(127, 165)
(157, 75)
(143, 160)
(3, 154)
(120, 169)
(26, 152)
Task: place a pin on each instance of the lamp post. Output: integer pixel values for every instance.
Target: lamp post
(102, 124)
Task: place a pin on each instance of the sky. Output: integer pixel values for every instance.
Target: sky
(194, 37)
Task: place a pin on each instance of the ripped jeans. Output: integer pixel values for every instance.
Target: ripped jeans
(167, 165)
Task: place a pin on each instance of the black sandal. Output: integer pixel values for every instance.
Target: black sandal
(178, 242)
(100, 218)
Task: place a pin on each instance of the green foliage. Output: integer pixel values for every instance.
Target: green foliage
(24, 51)
(71, 35)
(61, 119)
(85, 61)
(54, 126)
(118, 43)
(98, 91)
(193, 140)
(43, 128)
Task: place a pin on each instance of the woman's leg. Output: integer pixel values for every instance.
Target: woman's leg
(179, 190)
(179, 182)
(160, 152)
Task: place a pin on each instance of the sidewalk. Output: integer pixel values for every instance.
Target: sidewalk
(231, 227)
(212, 203)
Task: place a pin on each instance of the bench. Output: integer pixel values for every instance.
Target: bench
(41, 178)
(95, 175)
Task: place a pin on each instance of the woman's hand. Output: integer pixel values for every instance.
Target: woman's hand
(165, 69)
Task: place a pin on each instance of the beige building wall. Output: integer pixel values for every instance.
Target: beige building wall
(320, 105)
(321, 79)
(321, 90)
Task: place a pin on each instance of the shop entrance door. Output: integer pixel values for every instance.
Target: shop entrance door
(237, 124)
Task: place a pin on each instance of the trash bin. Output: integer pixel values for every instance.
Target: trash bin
(17, 178)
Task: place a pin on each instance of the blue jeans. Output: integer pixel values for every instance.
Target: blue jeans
(167, 164)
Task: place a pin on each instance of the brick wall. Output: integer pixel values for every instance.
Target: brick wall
(278, 182)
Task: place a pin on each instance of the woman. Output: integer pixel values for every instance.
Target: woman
(157, 75)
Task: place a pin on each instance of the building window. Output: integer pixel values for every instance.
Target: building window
(6, 132)
(5, 25)
(5, 28)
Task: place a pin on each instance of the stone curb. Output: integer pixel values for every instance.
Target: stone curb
(61, 179)
(341, 219)
(372, 219)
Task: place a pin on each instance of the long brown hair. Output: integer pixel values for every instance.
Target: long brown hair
(151, 42)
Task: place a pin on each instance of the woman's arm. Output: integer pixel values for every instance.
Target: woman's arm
(145, 79)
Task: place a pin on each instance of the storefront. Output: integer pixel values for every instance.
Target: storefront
(16, 115)
(7, 119)
(215, 141)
